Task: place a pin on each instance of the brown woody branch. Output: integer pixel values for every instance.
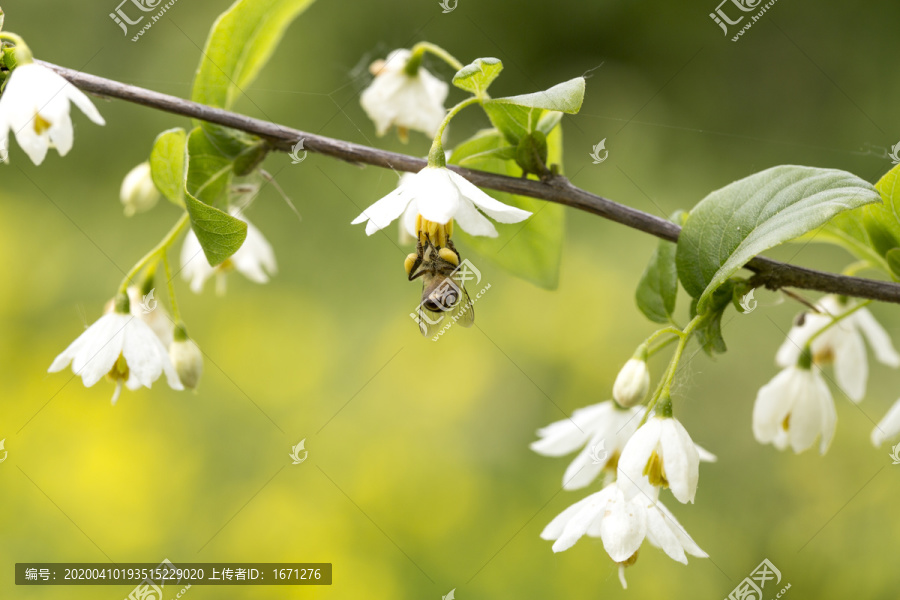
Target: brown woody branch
(769, 273)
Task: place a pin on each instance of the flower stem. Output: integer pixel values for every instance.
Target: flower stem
(154, 254)
(419, 50)
(436, 156)
(660, 346)
(834, 321)
(665, 384)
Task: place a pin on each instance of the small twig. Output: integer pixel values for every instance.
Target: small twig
(769, 273)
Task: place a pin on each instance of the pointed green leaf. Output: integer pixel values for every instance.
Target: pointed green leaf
(532, 249)
(733, 224)
(514, 121)
(709, 333)
(565, 97)
(478, 76)
(208, 170)
(220, 234)
(167, 164)
(239, 44)
(658, 288)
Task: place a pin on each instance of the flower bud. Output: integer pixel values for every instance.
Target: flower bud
(632, 383)
(186, 358)
(138, 193)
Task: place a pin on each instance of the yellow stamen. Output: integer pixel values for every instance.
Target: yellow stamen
(438, 233)
(40, 124)
(119, 369)
(655, 471)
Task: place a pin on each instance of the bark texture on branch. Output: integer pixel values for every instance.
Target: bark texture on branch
(769, 273)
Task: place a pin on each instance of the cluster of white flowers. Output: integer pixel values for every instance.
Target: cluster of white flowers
(636, 461)
(796, 407)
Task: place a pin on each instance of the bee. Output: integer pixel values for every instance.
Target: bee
(444, 296)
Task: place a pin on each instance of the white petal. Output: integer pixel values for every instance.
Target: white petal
(888, 427)
(661, 536)
(773, 403)
(680, 460)
(567, 435)
(255, 259)
(101, 347)
(194, 266)
(436, 196)
(635, 456)
(473, 222)
(797, 338)
(578, 524)
(705, 455)
(828, 412)
(81, 101)
(877, 338)
(623, 528)
(408, 220)
(851, 368)
(555, 528)
(502, 213)
(689, 545)
(384, 211)
(61, 134)
(582, 470)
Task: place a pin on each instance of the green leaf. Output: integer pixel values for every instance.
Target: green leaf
(478, 76)
(519, 116)
(735, 223)
(709, 332)
(220, 234)
(515, 122)
(887, 214)
(208, 171)
(167, 164)
(893, 261)
(658, 287)
(239, 44)
(532, 249)
(565, 97)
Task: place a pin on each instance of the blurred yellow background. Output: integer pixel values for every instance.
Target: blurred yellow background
(419, 477)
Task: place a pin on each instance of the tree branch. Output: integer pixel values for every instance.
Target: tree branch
(769, 273)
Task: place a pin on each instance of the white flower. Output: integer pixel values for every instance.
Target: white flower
(440, 195)
(622, 524)
(148, 311)
(395, 98)
(407, 222)
(632, 383)
(188, 361)
(138, 193)
(600, 424)
(122, 347)
(842, 344)
(794, 409)
(888, 427)
(255, 259)
(661, 450)
(35, 106)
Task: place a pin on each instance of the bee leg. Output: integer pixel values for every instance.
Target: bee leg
(455, 251)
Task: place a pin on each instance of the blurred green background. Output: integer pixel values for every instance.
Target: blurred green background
(422, 479)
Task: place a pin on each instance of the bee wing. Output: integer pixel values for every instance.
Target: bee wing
(429, 322)
(464, 311)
